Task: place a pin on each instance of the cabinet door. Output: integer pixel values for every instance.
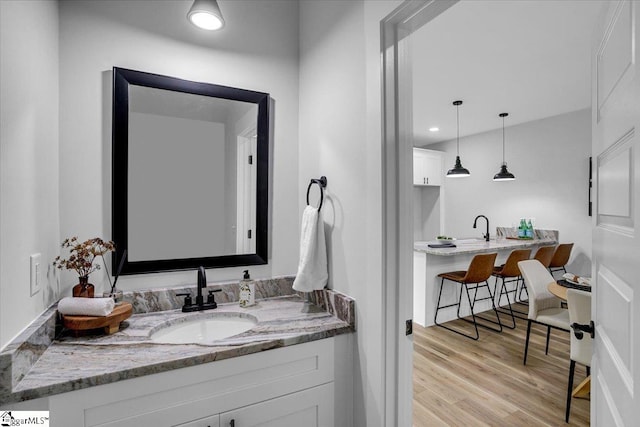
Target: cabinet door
(427, 167)
(433, 168)
(309, 408)
(418, 167)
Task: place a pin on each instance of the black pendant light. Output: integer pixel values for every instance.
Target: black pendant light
(504, 174)
(458, 170)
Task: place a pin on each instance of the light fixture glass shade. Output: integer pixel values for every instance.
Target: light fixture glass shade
(206, 14)
(458, 170)
(504, 174)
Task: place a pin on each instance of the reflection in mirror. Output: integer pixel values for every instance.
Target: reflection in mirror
(190, 173)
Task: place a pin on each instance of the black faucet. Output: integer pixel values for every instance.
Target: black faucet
(486, 236)
(202, 283)
(200, 304)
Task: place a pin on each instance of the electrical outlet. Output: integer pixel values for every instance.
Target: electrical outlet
(36, 266)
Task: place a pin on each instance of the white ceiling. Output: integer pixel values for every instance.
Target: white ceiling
(530, 59)
(168, 18)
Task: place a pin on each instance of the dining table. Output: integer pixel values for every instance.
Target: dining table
(559, 289)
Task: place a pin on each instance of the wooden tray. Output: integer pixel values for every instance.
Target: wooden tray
(110, 323)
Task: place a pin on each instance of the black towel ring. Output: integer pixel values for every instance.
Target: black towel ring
(322, 183)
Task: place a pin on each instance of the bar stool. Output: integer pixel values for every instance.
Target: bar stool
(560, 257)
(479, 271)
(544, 255)
(509, 272)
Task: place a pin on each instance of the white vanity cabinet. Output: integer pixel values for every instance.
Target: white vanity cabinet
(308, 408)
(211, 421)
(289, 386)
(427, 167)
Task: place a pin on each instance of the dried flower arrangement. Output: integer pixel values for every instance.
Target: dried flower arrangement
(82, 255)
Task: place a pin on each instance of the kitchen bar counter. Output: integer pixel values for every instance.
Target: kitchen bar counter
(69, 363)
(429, 262)
(478, 246)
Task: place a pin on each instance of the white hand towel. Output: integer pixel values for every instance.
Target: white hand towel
(86, 306)
(312, 267)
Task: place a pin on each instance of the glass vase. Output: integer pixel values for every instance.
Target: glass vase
(84, 289)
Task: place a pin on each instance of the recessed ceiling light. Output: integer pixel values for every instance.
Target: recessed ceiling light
(434, 129)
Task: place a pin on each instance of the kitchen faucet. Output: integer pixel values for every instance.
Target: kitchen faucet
(486, 236)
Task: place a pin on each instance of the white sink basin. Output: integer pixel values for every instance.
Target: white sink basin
(204, 330)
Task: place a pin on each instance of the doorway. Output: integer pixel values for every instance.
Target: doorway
(246, 146)
(398, 30)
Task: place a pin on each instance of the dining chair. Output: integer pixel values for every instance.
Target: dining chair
(544, 307)
(579, 303)
(477, 274)
(544, 255)
(509, 273)
(560, 257)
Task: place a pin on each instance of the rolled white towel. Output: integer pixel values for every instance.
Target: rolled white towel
(86, 306)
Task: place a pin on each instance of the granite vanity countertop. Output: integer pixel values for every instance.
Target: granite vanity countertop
(477, 246)
(72, 363)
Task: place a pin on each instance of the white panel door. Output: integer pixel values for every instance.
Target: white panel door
(616, 219)
(246, 198)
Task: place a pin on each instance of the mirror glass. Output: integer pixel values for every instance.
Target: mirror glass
(190, 173)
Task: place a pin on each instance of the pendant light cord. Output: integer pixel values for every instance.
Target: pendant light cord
(502, 139)
(458, 127)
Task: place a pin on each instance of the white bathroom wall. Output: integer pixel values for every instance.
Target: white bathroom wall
(340, 137)
(96, 36)
(550, 159)
(28, 158)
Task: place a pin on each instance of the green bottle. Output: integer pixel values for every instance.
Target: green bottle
(522, 229)
(529, 232)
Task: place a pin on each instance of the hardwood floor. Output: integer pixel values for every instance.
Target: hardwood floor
(461, 382)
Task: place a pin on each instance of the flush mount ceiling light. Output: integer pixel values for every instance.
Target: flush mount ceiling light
(434, 129)
(206, 14)
(504, 174)
(458, 171)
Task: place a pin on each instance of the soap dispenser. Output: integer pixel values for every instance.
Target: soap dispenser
(247, 291)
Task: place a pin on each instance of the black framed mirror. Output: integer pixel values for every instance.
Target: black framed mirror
(190, 173)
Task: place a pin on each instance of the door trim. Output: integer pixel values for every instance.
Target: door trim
(397, 202)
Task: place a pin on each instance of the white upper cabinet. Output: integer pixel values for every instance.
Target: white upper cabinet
(427, 167)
